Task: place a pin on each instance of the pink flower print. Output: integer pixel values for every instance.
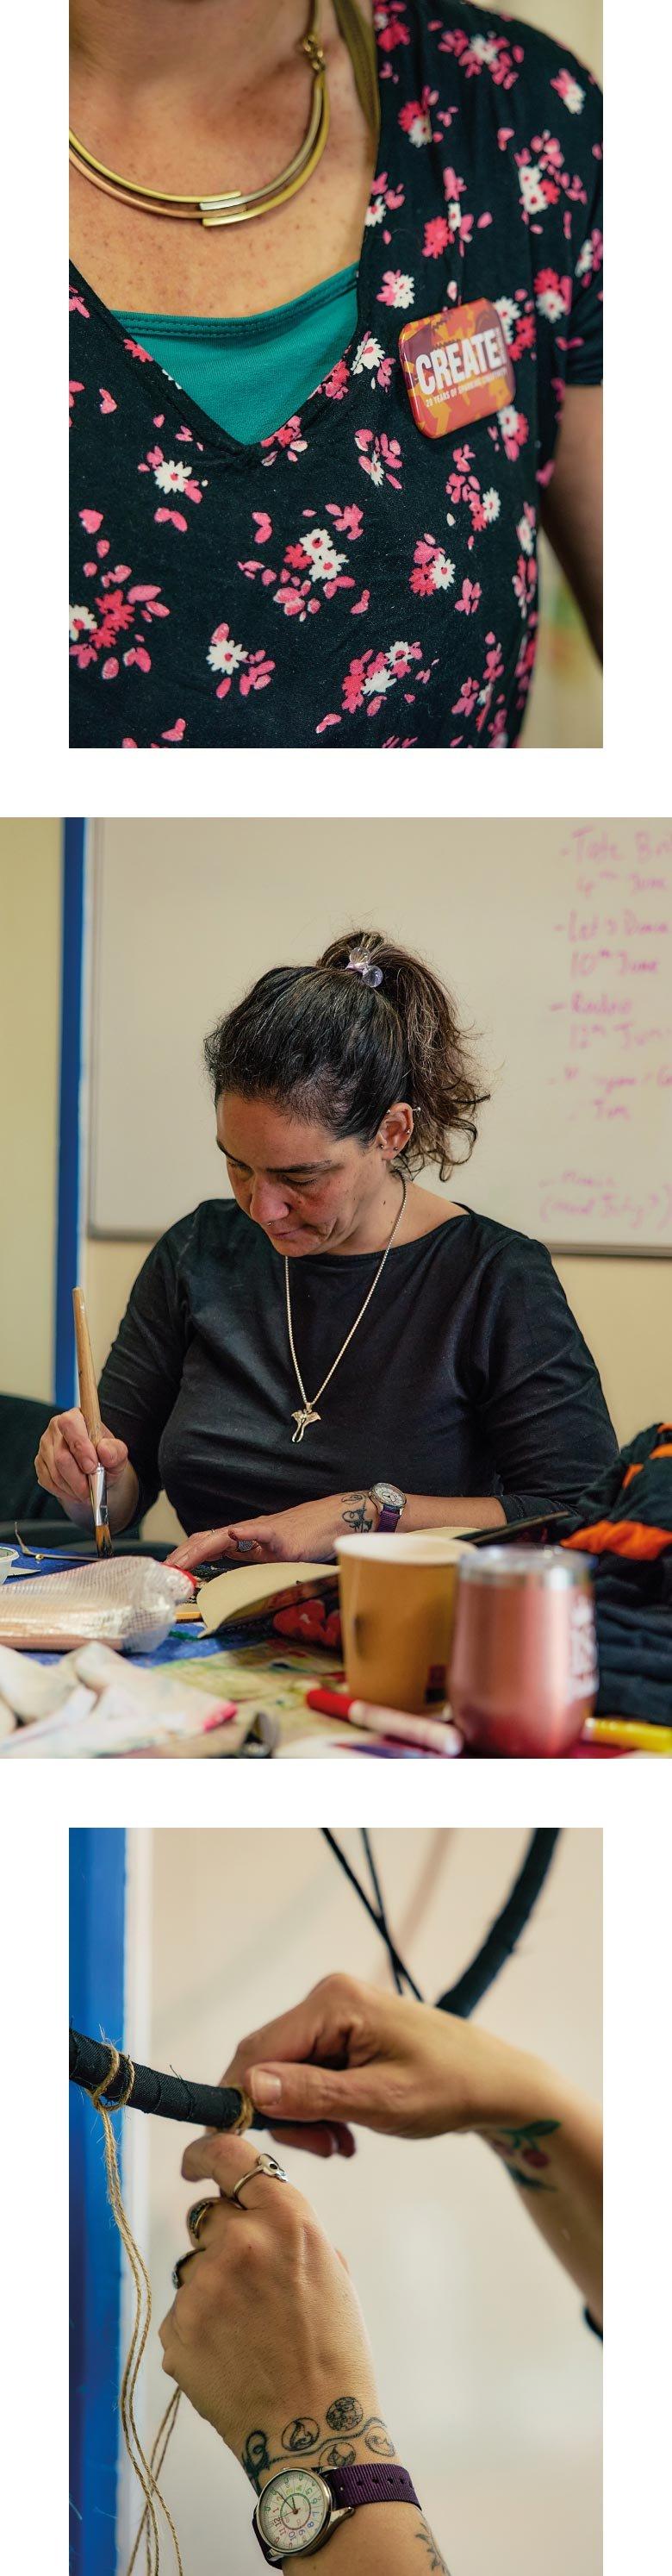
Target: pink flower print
(570, 91)
(224, 655)
(452, 186)
(349, 521)
(486, 53)
(257, 674)
(172, 476)
(336, 385)
(384, 199)
(77, 304)
(91, 520)
(469, 599)
(74, 388)
(370, 675)
(437, 237)
(135, 349)
(263, 526)
(391, 29)
(253, 669)
(553, 294)
(397, 289)
(466, 702)
(107, 401)
(288, 437)
(514, 431)
(380, 457)
(415, 117)
(370, 359)
(432, 569)
(590, 257)
(518, 324)
(176, 732)
(82, 623)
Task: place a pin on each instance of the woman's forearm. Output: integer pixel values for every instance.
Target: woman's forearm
(549, 2137)
(382, 2540)
(451, 1511)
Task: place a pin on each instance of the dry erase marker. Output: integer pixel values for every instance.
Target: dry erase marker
(437, 1736)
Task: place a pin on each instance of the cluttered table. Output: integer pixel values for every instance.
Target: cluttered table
(266, 1681)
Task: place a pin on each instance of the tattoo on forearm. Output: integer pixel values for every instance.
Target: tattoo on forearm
(360, 1513)
(430, 2545)
(523, 2156)
(303, 2436)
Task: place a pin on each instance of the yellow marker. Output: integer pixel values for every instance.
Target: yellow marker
(632, 1735)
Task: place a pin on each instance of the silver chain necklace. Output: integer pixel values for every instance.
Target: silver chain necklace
(308, 1413)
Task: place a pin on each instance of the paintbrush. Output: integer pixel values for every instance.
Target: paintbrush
(88, 1397)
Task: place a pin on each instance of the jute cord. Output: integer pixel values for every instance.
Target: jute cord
(146, 2471)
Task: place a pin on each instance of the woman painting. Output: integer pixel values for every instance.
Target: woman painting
(263, 201)
(337, 1345)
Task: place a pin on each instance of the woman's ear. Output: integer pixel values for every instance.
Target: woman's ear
(395, 1130)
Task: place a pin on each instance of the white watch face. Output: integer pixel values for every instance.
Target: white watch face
(292, 2511)
(388, 1494)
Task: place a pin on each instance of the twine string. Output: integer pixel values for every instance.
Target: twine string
(146, 2471)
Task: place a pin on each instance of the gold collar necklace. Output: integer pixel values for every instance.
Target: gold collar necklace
(232, 207)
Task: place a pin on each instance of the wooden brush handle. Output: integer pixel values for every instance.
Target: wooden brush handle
(88, 1391)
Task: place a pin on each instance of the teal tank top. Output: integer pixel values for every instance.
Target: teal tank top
(252, 374)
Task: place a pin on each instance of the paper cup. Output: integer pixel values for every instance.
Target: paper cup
(397, 1616)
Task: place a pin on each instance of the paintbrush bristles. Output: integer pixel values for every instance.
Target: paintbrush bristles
(103, 1539)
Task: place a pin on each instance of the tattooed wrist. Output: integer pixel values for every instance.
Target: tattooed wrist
(344, 2432)
(526, 2153)
(358, 1512)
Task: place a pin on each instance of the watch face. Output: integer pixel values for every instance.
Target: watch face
(388, 1494)
(293, 2510)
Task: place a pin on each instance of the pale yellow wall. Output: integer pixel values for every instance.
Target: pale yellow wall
(30, 936)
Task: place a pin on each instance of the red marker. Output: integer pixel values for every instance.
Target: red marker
(435, 1734)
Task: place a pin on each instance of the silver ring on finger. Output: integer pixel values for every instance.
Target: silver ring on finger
(264, 2165)
(195, 2217)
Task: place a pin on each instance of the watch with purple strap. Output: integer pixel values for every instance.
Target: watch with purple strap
(390, 1503)
(300, 2507)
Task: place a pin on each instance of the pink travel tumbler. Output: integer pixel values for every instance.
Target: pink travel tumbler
(523, 1674)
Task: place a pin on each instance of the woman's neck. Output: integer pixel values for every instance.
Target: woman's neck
(135, 42)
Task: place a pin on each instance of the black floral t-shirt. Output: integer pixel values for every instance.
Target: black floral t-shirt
(350, 580)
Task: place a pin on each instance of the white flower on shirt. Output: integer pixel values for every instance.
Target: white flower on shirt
(171, 475)
(490, 505)
(325, 561)
(375, 212)
(531, 188)
(421, 129)
(552, 303)
(81, 622)
(377, 682)
(484, 49)
(369, 354)
(223, 654)
(585, 260)
(442, 570)
(508, 315)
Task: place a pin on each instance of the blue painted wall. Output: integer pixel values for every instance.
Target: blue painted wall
(69, 1174)
(97, 1911)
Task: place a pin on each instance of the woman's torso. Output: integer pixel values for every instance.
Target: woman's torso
(408, 1401)
(348, 581)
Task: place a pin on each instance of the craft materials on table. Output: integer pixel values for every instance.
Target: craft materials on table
(93, 1703)
(126, 1601)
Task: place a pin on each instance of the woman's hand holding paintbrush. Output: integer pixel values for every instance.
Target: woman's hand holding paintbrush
(79, 1461)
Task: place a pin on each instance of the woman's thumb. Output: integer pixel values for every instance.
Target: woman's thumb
(305, 2092)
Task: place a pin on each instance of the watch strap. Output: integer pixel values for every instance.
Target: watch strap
(377, 2482)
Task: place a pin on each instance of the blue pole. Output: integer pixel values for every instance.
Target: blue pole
(67, 1232)
(97, 1912)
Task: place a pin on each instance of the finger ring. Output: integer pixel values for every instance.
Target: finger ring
(176, 2274)
(196, 2216)
(264, 2165)
(245, 1545)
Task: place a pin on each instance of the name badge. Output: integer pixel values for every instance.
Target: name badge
(457, 367)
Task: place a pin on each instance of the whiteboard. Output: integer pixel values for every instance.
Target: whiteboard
(555, 938)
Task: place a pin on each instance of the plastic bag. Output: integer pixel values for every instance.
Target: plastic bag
(126, 1601)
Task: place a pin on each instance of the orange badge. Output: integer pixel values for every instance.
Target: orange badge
(457, 367)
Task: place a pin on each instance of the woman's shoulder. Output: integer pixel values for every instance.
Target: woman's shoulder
(503, 1251)
(213, 1228)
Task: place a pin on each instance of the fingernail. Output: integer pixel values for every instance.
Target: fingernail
(264, 2088)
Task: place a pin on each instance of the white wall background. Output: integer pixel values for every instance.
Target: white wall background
(494, 2392)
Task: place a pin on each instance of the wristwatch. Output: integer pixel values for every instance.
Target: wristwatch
(300, 2508)
(391, 1503)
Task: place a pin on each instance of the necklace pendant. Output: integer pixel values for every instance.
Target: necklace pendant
(306, 1414)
